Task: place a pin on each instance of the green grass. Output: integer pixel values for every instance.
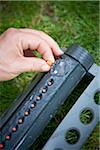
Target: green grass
(67, 22)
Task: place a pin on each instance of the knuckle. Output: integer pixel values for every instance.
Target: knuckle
(12, 31)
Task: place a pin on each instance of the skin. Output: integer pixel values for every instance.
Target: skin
(12, 44)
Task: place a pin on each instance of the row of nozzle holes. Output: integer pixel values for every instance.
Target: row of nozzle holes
(26, 113)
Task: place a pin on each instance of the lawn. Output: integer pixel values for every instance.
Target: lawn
(67, 22)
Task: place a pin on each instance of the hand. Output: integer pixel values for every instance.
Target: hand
(13, 42)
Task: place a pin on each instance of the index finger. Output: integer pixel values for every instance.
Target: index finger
(51, 42)
(33, 42)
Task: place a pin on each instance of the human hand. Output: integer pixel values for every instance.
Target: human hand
(13, 42)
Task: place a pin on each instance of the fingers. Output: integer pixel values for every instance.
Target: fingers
(52, 44)
(33, 42)
(26, 64)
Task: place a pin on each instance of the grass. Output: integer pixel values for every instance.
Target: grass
(67, 22)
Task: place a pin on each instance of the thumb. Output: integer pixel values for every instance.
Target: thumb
(33, 64)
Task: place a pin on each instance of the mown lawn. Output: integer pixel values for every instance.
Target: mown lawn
(67, 22)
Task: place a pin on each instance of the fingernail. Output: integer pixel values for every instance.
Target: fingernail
(61, 52)
(45, 68)
(49, 62)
